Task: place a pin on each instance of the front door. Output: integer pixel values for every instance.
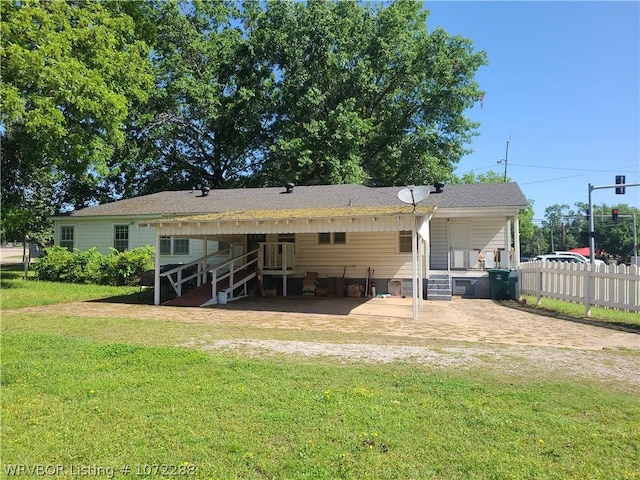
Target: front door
(459, 244)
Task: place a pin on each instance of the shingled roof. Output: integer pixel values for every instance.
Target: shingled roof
(192, 202)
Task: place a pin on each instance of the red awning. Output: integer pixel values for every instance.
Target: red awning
(581, 250)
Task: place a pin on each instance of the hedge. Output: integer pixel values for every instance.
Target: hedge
(58, 264)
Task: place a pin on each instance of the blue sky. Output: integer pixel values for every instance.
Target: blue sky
(563, 81)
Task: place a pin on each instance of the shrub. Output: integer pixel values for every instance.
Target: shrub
(90, 266)
(125, 268)
(57, 264)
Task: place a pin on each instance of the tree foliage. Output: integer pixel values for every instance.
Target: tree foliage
(110, 99)
(565, 228)
(71, 72)
(310, 93)
(366, 94)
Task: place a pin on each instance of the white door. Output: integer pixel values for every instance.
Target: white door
(459, 244)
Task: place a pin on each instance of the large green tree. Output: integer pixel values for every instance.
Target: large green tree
(207, 120)
(310, 93)
(366, 93)
(111, 99)
(71, 72)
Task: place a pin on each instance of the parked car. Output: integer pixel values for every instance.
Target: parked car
(566, 257)
(581, 257)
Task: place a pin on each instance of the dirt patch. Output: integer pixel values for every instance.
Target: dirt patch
(515, 360)
(461, 333)
(478, 321)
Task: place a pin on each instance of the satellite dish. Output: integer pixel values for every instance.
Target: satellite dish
(413, 195)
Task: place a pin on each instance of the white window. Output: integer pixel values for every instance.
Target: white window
(334, 238)
(66, 237)
(174, 246)
(181, 246)
(404, 241)
(121, 237)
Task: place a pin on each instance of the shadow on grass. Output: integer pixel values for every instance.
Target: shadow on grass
(619, 325)
(9, 273)
(143, 297)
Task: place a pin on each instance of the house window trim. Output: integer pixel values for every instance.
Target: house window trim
(73, 237)
(332, 238)
(115, 239)
(404, 234)
(172, 247)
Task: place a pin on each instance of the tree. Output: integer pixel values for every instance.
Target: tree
(488, 177)
(71, 72)
(565, 228)
(252, 93)
(208, 115)
(366, 95)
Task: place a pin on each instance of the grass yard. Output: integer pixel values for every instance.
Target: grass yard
(91, 397)
(576, 310)
(18, 292)
(69, 402)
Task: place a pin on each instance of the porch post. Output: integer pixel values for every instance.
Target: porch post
(516, 241)
(414, 266)
(423, 234)
(507, 241)
(156, 276)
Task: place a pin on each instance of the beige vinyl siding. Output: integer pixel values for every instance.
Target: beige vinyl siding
(439, 244)
(489, 234)
(377, 250)
(485, 233)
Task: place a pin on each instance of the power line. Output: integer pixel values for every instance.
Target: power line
(577, 169)
(557, 178)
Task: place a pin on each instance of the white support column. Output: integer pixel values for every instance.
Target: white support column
(423, 236)
(507, 244)
(156, 276)
(516, 241)
(414, 267)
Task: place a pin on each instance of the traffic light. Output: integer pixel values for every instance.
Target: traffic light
(620, 180)
(614, 214)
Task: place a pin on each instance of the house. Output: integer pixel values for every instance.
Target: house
(345, 234)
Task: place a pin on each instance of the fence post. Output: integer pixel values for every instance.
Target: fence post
(588, 290)
(538, 283)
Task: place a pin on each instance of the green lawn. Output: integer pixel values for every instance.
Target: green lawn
(576, 310)
(106, 394)
(18, 292)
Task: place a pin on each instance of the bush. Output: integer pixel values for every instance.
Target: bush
(57, 264)
(119, 268)
(125, 268)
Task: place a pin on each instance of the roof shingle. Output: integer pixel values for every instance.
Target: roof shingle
(182, 203)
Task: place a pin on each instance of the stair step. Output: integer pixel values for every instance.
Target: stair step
(439, 287)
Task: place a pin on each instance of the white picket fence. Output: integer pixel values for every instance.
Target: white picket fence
(610, 286)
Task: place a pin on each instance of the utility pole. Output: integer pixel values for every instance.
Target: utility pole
(506, 160)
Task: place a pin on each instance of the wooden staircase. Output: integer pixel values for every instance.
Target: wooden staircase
(201, 296)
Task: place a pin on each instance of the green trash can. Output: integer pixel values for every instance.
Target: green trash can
(499, 283)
